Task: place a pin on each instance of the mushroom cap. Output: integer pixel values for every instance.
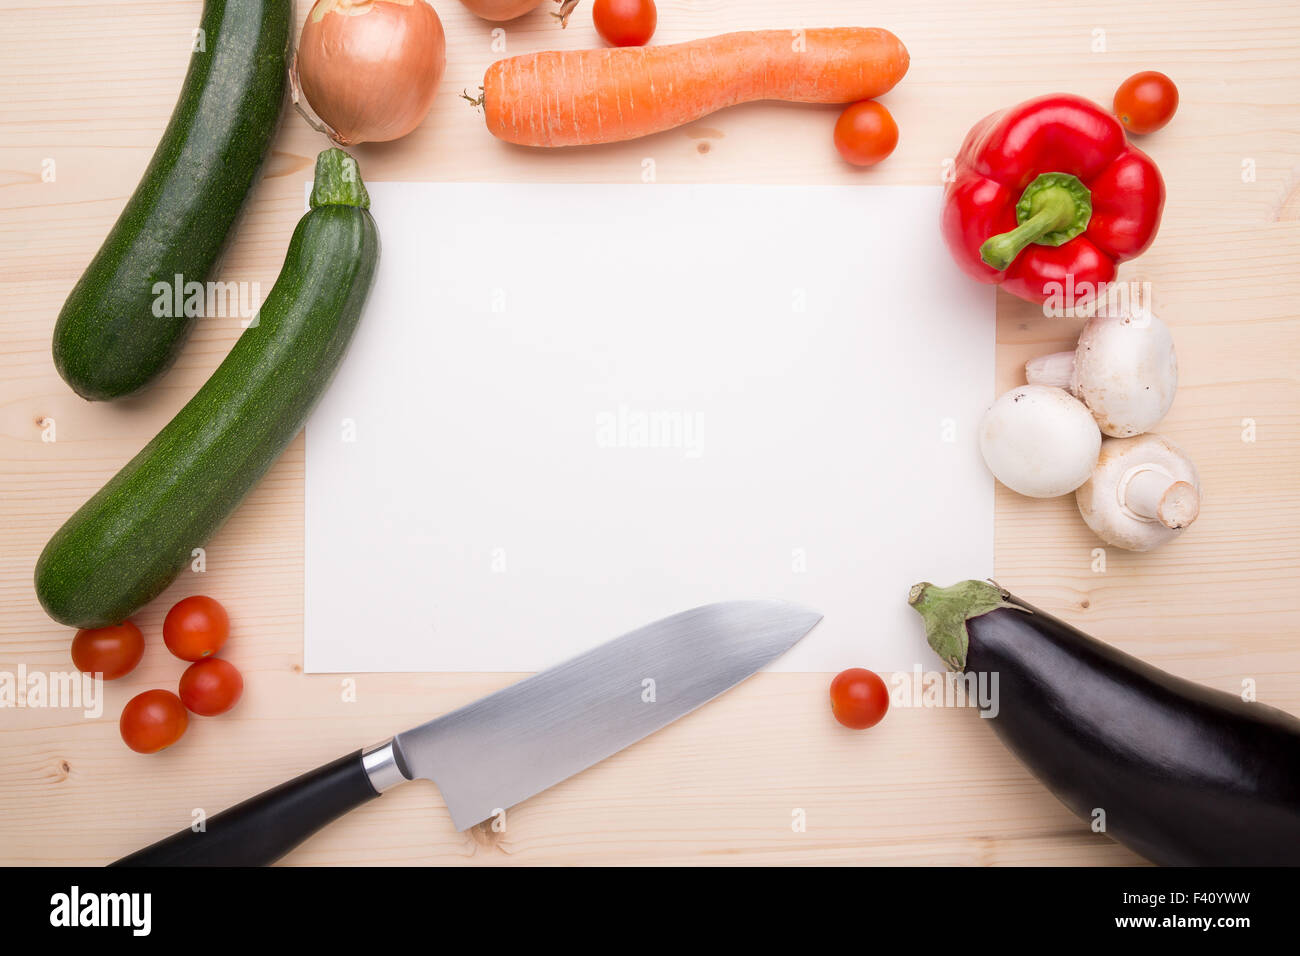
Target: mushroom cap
(1126, 371)
(1039, 441)
(1101, 499)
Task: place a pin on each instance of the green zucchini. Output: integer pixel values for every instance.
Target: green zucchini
(109, 340)
(129, 541)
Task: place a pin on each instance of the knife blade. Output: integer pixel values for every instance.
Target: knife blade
(500, 750)
(508, 746)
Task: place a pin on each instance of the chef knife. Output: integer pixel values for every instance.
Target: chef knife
(498, 751)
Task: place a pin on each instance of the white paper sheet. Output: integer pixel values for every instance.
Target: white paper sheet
(572, 410)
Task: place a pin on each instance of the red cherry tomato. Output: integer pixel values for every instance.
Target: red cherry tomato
(112, 651)
(153, 720)
(865, 133)
(859, 698)
(625, 22)
(210, 687)
(1146, 101)
(196, 628)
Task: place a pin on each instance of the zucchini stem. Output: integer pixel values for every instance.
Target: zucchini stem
(338, 181)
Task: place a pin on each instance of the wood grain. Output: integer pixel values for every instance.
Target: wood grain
(90, 88)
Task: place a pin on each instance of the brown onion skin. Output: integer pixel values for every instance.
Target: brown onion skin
(501, 9)
(354, 82)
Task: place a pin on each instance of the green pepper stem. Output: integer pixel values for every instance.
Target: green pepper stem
(338, 181)
(1052, 210)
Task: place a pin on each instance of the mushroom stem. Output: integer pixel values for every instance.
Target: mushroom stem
(1152, 493)
(1056, 369)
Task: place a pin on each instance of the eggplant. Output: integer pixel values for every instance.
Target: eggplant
(1185, 775)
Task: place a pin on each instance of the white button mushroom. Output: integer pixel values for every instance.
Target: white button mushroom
(1123, 368)
(1039, 442)
(1143, 492)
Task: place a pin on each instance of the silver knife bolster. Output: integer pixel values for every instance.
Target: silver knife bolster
(382, 767)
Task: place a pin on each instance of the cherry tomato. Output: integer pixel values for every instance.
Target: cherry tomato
(1146, 101)
(865, 133)
(196, 628)
(625, 22)
(210, 687)
(153, 720)
(859, 698)
(112, 651)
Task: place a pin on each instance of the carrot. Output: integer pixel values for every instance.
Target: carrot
(581, 97)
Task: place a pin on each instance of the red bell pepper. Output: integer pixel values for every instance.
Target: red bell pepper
(1049, 196)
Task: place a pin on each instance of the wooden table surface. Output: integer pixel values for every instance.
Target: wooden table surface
(85, 91)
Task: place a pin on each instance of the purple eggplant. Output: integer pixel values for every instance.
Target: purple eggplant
(1183, 774)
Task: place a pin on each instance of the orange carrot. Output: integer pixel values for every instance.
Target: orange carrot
(580, 97)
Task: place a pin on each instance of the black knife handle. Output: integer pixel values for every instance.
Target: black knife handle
(266, 827)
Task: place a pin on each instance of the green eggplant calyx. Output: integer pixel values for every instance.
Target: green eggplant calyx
(946, 611)
(338, 181)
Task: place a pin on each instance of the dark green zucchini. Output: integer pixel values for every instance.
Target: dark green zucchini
(108, 341)
(129, 541)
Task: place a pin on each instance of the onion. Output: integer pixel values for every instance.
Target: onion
(501, 9)
(370, 68)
